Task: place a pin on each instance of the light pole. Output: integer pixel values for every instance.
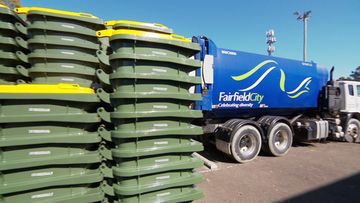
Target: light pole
(304, 17)
(270, 40)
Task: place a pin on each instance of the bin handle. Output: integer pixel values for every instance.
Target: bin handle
(105, 134)
(22, 57)
(20, 28)
(106, 188)
(103, 96)
(104, 33)
(20, 42)
(106, 171)
(22, 70)
(105, 152)
(104, 115)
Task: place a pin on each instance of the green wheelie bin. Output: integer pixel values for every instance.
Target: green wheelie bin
(48, 103)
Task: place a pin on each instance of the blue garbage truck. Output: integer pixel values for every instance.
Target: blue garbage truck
(254, 102)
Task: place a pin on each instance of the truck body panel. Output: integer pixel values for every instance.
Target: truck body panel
(246, 82)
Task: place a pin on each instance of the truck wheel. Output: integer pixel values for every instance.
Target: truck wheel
(353, 130)
(245, 143)
(280, 139)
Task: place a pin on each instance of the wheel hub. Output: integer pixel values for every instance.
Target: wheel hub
(247, 144)
(281, 139)
(353, 130)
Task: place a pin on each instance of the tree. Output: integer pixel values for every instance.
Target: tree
(344, 78)
(355, 74)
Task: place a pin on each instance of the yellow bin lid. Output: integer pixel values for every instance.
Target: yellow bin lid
(111, 32)
(129, 24)
(26, 10)
(46, 89)
(3, 6)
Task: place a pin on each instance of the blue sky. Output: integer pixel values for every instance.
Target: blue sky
(334, 28)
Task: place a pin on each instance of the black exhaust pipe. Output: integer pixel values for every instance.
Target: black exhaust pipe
(331, 81)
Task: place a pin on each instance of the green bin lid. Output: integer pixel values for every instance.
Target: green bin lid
(43, 65)
(57, 62)
(152, 89)
(177, 194)
(47, 133)
(17, 70)
(146, 108)
(8, 15)
(171, 41)
(57, 195)
(144, 43)
(24, 180)
(60, 28)
(136, 25)
(151, 50)
(11, 44)
(4, 10)
(63, 21)
(55, 78)
(64, 40)
(64, 117)
(12, 59)
(51, 103)
(149, 183)
(35, 155)
(11, 30)
(152, 70)
(39, 108)
(8, 81)
(127, 167)
(137, 147)
(63, 67)
(184, 62)
(146, 127)
(88, 78)
(10, 75)
(68, 54)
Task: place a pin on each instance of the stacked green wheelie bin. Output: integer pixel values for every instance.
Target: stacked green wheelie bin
(13, 47)
(64, 47)
(58, 141)
(152, 113)
(54, 142)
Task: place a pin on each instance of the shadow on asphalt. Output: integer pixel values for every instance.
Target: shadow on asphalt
(212, 154)
(303, 144)
(345, 190)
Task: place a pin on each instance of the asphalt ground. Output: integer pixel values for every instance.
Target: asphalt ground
(315, 172)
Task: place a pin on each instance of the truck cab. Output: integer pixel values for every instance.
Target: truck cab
(349, 110)
(349, 96)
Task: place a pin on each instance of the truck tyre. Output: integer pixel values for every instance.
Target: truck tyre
(352, 133)
(280, 138)
(245, 143)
